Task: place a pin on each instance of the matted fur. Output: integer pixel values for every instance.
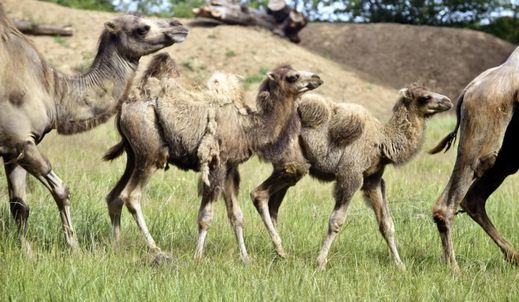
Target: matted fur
(345, 143)
(205, 129)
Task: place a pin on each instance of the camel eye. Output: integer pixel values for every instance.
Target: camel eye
(424, 99)
(143, 30)
(292, 78)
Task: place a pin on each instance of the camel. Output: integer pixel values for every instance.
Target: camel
(487, 153)
(345, 143)
(197, 129)
(36, 98)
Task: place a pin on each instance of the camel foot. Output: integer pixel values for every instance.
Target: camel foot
(321, 264)
(401, 266)
(244, 260)
(27, 249)
(281, 253)
(512, 258)
(157, 257)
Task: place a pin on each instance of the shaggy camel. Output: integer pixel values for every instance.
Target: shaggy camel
(198, 130)
(487, 153)
(346, 144)
(35, 98)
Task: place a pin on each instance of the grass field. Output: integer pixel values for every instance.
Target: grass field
(360, 266)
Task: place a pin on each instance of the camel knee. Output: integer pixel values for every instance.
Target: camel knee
(204, 220)
(236, 218)
(132, 202)
(19, 209)
(442, 219)
(484, 163)
(114, 204)
(259, 198)
(387, 228)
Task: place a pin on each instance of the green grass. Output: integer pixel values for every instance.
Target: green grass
(359, 263)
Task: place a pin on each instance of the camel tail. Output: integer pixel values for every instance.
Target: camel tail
(446, 143)
(114, 152)
(119, 148)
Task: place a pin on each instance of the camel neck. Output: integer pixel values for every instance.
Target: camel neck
(274, 125)
(403, 135)
(91, 98)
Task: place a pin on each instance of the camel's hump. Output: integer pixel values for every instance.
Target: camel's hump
(313, 110)
(346, 125)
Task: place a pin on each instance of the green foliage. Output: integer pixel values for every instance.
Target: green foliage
(505, 28)
(103, 5)
(255, 78)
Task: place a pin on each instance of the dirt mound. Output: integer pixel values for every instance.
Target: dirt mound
(245, 51)
(445, 59)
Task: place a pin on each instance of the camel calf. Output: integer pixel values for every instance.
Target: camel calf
(201, 130)
(346, 144)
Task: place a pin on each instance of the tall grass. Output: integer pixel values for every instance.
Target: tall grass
(359, 263)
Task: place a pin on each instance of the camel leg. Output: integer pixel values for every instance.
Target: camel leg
(477, 152)
(37, 165)
(114, 201)
(234, 213)
(375, 196)
(205, 214)
(131, 196)
(17, 183)
(475, 200)
(267, 199)
(347, 184)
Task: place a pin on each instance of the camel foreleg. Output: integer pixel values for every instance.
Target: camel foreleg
(36, 164)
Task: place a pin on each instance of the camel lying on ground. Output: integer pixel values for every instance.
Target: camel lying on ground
(487, 153)
(197, 129)
(35, 99)
(344, 143)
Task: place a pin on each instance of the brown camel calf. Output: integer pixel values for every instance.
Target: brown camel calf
(346, 144)
(200, 130)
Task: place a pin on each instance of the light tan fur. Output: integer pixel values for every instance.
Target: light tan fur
(35, 99)
(487, 153)
(345, 143)
(195, 130)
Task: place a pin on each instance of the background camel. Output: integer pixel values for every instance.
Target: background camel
(192, 128)
(346, 144)
(35, 98)
(487, 153)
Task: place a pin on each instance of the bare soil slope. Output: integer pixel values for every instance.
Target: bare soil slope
(445, 59)
(245, 51)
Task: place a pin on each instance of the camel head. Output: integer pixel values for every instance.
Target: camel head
(291, 83)
(423, 101)
(135, 36)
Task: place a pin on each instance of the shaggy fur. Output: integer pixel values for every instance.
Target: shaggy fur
(487, 153)
(346, 144)
(203, 129)
(35, 98)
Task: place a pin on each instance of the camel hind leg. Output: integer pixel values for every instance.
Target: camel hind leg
(375, 196)
(17, 184)
(131, 196)
(234, 213)
(475, 200)
(477, 152)
(347, 184)
(113, 199)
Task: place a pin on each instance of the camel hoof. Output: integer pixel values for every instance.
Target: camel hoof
(161, 258)
(321, 264)
(245, 260)
(401, 266)
(513, 258)
(282, 254)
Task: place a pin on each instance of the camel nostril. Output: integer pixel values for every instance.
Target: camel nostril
(314, 76)
(175, 23)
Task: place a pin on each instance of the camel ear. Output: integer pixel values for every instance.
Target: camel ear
(405, 93)
(272, 76)
(112, 27)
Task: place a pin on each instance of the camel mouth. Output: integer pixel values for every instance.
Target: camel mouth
(177, 36)
(313, 85)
